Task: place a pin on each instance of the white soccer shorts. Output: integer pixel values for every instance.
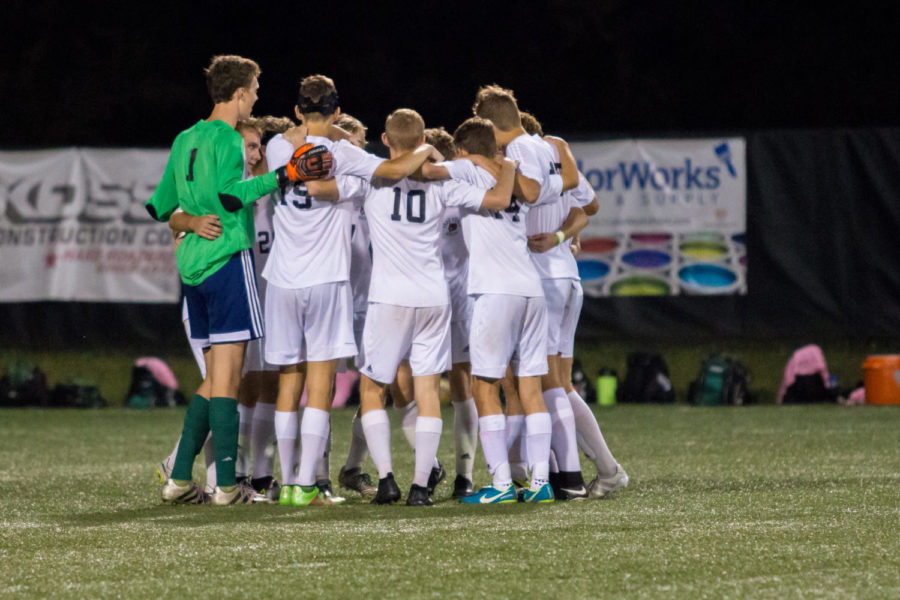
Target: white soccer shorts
(309, 324)
(562, 295)
(394, 332)
(508, 329)
(459, 341)
(570, 322)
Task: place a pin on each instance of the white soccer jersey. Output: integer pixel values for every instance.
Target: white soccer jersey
(498, 247)
(456, 263)
(360, 260)
(583, 194)
(405, 225)
(263, 212)
(312, 237)
(537, 161)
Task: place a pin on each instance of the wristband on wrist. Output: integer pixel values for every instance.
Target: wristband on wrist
(560, 237)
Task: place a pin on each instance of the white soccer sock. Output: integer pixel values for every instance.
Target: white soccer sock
(518, 455)
(286, 436)
(209, 452)
(409, 414)
(358, 448)
(377, 428)
(590, 438)
(261, 439)
(169, 461)
(314, 428)
(245, 425)
(538, 428)
(323, 465)
(564, 443)
(428, 437)
(492, 430)
(465, 436)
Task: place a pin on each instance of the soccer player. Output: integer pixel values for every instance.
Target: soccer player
(409, 303)
(203, 176)
(309, 306)
(259, 384)
(610, 474)
(533, 185)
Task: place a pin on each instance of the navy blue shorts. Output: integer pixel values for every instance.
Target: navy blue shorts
(225, 307)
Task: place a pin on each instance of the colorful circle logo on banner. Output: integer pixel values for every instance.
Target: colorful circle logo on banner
(639, 285)
(707, 279)
(646, 259)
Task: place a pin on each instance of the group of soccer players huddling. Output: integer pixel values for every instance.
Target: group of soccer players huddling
(455, 256)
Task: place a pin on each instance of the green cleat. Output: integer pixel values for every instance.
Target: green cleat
(284, 496)
(491, 495)
(311, 496)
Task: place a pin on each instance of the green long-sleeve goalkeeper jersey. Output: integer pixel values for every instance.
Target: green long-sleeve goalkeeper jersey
(203, 176)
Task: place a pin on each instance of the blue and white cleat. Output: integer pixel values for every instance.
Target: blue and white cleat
(542, 494)
(491, 495)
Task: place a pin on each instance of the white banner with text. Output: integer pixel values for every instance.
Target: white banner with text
(73, 227)
(672, 217)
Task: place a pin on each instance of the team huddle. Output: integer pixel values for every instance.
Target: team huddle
(454, 256)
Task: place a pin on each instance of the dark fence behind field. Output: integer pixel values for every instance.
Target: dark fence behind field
(823, 247)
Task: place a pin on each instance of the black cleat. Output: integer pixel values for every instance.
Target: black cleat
(438, 474)
(388, 492)
(571, 486)
(418, 496)
(462, 487)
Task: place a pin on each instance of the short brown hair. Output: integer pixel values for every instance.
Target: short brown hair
(530, 124)
(228, 72)
(352, 125)
(497, 105)
(404, 129)
(476, 136)
(441, 139)
(317, 95)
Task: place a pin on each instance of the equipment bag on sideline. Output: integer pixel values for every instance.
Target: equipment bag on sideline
(722, 381)
(646, 380)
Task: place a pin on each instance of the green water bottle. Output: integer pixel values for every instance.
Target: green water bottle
(607, 381)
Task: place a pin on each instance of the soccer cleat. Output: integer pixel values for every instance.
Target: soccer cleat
(309, 497)
(190, 493)
(163, 472)
(418, 496)
(543, 494)
(354, 479)
(241, 494)
(438, 474)
(492, 495)
(462, 487)
(573, 493)
(324, 486)
(388, 491)
(284, 495)
(267, 486)
(601, 487)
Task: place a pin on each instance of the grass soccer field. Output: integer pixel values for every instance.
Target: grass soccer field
(754, 502)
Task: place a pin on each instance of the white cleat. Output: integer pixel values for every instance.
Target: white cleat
(190, 493)
(241, 494)
(600, 487)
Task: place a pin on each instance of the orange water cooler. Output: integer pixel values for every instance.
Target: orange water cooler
(881, 374)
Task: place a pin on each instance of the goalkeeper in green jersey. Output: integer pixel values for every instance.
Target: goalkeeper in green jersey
(203, 177)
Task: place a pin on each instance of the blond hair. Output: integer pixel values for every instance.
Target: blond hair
(404, 129)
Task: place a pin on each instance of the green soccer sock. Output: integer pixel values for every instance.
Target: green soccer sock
(224, 422)
(193, 435)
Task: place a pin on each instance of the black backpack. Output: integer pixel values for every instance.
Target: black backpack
(722, 381)
(646, 380)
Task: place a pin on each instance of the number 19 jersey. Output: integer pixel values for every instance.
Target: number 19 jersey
(312, 237)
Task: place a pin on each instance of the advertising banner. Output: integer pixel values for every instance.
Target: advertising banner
(672, 217)
(73, 227)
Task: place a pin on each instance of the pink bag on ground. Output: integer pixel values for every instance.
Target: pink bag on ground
(808, 360)
(160, 370)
